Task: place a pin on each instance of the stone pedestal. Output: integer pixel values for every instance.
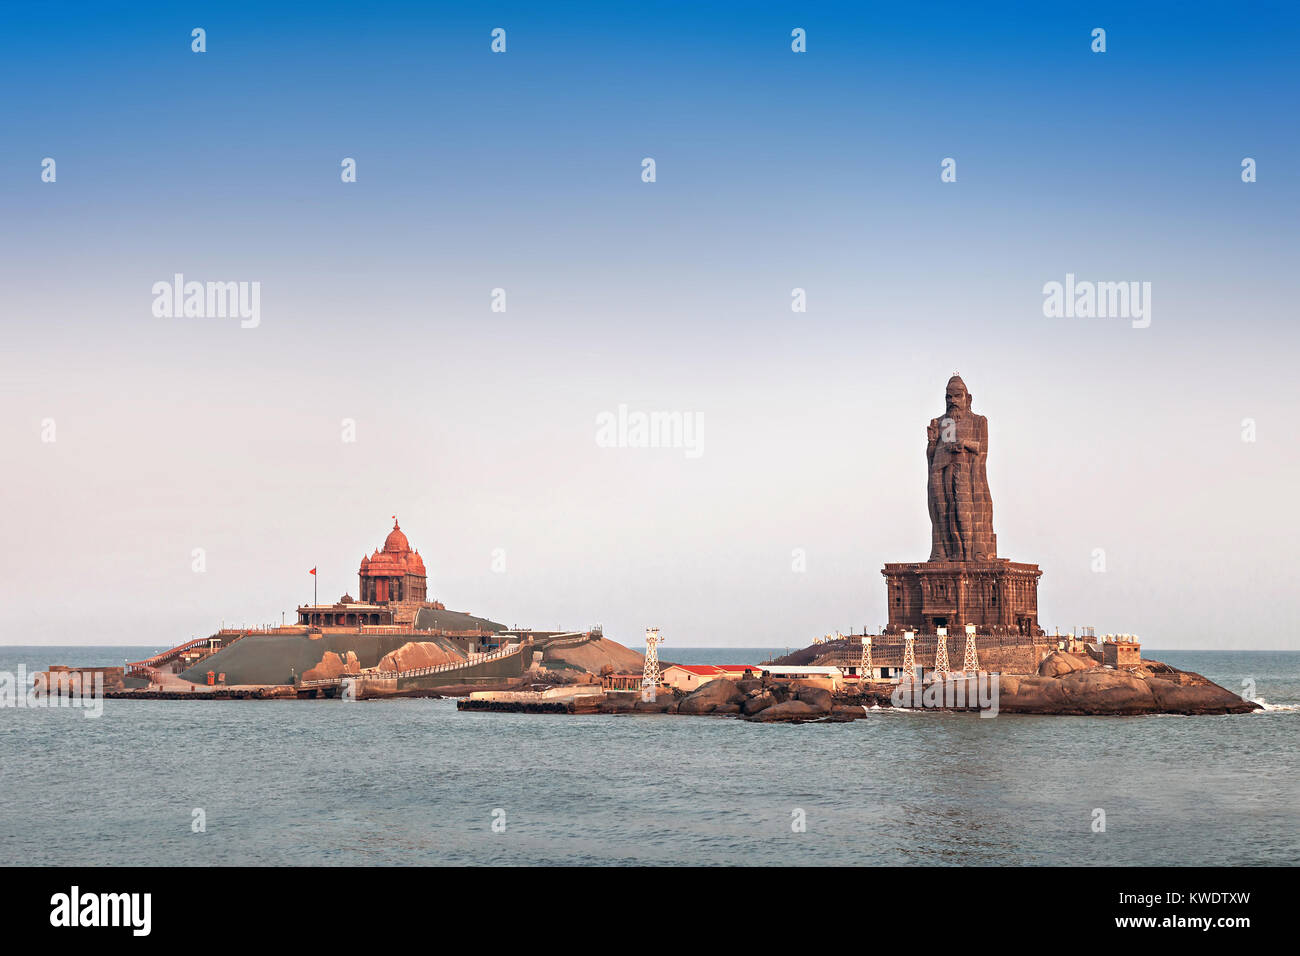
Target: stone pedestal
(997, 596)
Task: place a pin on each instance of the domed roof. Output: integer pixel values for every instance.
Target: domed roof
(396, 541)
(396, 559)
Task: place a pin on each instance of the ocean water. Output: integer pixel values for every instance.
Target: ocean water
(416, 782)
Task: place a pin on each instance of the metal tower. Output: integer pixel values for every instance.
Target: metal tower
(971, 663)
(941, 654)
(909, 657)
(650, 675)
(866, 668)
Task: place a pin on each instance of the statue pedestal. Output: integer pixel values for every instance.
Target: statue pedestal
(997, 596)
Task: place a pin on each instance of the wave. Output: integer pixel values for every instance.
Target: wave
(1281, 708)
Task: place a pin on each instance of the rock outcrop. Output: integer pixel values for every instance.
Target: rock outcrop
(791, 710)
(1066, 685)
(1098, 691)
(843, 712)
(1207, 698)
(757, 702)
(817, 697)
(789, 702)
(1059, 663)
(333, 665)
(662, 704)
(595, 656)
(414, 655)
(708, 698)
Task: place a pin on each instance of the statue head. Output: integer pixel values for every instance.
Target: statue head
(957, 396)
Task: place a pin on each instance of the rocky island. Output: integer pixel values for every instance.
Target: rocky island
(395, 641)
(1009, 664)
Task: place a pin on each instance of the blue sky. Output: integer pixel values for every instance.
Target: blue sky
(775, 170)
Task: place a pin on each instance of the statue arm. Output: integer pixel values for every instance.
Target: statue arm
(980, 443)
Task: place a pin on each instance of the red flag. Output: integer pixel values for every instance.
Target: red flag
(312, 571)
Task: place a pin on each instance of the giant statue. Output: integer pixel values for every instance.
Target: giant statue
(961, 508)
(964, 583)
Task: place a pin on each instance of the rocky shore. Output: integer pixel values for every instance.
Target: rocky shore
(761, 701)
(1077, 685)
(1065, 685)
(268, 692)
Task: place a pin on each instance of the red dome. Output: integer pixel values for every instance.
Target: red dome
(396, 542)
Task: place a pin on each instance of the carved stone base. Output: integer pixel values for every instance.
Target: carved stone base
(997, 596)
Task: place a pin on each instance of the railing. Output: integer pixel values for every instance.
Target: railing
(143, 670)
(571, 639)
(163, 657)
(888, 649)
(418, 671)
(146, 667)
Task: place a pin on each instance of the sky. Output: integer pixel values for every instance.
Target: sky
(166, 475)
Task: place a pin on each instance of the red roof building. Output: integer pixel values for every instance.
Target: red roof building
(688, 677)
(395, 574)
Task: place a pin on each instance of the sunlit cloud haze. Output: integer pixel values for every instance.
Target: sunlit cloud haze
(522, 171)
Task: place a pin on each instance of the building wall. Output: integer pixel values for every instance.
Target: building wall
(1121, 655)
(998, 596)
(685, 680)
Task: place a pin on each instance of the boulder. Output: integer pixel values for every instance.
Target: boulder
(663, 704)
(780, 692)
(1030, 695)
(1207, 698)
(1059, 663)
(727, 709)
(332, 665)
(790, 710)
(848, 712)
(1094, 691)
(817, 697)
(759, 702)
(705, 699)
(1101, 691)
(416, 654)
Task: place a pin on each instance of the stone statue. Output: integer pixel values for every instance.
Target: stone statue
(961, 508)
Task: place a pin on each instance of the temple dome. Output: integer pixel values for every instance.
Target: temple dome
(396, 542)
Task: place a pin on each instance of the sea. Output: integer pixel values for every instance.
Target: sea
(215, 783)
